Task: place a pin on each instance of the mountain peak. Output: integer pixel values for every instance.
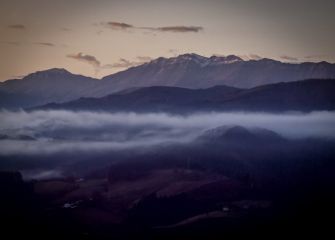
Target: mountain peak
(48, 73)
(225, 59)
(54, 71)
(233, 58)
(58, 70)
(198, 59)
(190, 57)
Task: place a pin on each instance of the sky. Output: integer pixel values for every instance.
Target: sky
(97, 38)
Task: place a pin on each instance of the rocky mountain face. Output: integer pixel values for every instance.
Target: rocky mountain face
(195, 71)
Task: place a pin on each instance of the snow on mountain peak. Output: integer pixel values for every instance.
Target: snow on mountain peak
(189, 57)
(198, 59)
(225, 59)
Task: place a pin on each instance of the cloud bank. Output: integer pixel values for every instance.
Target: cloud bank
(57, 131)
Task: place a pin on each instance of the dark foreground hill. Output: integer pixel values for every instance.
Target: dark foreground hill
(213, 187)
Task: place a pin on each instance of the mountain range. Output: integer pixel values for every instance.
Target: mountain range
(195, 71)
(306, 95)
(185, 71)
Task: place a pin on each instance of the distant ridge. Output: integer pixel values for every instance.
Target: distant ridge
(186, 71)
(307, 95)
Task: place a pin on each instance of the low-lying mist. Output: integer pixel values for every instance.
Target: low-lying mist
(45, 132)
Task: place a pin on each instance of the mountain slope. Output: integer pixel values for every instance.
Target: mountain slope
(194, 71)
(53, 85)
(152, 99)
(305, 95)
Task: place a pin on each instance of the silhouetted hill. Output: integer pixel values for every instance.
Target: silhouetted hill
(307, 95)
(53, 85)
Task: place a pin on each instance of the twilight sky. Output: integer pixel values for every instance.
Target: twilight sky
(100, 37)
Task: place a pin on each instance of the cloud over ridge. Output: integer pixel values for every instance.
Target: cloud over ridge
(56, 131)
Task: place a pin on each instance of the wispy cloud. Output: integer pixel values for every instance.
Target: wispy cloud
(179, 29)
(117, 25)
(65, 29)
(174, 52)
(173, 29)
(255, 56)
(144, 58)
(17, 26)
(15, 43)
(47, 44)
(289, 58)
(124, 63)
(85, 58)
(317, 57)
(97, 65)
(251, 56)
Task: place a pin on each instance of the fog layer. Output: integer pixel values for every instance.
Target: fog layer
(53, 131)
